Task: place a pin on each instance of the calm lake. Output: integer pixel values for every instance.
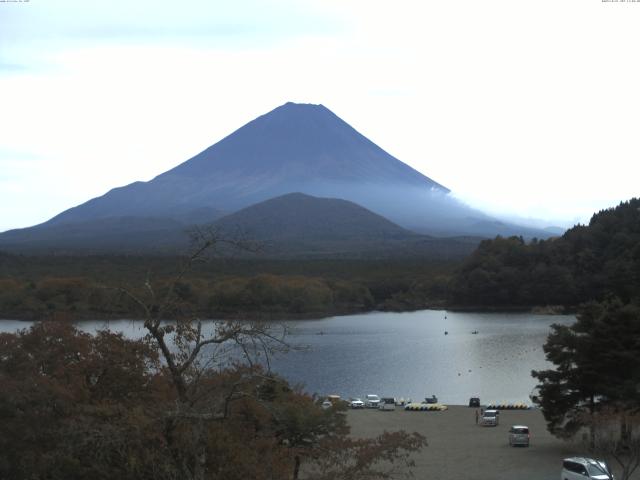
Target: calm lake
(406, 354)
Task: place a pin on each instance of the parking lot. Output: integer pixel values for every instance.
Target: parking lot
(460, 449)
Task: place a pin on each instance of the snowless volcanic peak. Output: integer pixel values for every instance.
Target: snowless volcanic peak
(302, 143)
(294, 148)
(301, 148)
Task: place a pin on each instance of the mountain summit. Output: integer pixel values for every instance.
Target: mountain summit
(298, 144)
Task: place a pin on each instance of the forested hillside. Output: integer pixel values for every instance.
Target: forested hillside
(76, 287)
(588, 262)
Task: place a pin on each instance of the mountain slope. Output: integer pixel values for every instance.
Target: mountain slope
(303, 148)
(292, 225)
(117, 234)
(299, 225)
(294, 148)
(300, 216)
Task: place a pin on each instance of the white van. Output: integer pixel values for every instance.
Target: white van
(490, 418)
(371, 401)
(387, 403)
(580, 468)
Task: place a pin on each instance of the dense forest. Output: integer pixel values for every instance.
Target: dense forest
(589, 262)
(83, 287)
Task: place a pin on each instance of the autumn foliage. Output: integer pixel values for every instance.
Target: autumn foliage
(80, 406)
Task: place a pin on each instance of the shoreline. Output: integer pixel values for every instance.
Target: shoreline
(284, 316)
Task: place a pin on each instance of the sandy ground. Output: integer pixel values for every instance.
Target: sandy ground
(460, 449)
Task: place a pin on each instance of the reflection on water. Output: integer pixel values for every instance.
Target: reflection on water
(409, 355)
(406, 354)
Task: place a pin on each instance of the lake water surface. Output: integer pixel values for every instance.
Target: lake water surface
(406, 354)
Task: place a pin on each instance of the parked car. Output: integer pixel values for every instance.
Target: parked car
(580, 468)
(387, 403)
(356, 403)
(490, 418)
(519, 435)
(326, 404)
(371, 401)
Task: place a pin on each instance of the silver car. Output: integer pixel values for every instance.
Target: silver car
(387, 403)
(519, 435)
(490, 418)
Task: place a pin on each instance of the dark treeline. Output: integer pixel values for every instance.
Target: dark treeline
(82, 287)
(587, 263)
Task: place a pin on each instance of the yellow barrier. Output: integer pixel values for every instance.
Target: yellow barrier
(507, 406)
(425, 407)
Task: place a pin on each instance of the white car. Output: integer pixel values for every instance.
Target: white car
(580, 468)
(371, 401)
(490, 418)
(356, 403)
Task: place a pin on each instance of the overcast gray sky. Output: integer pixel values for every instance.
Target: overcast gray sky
(525, 108)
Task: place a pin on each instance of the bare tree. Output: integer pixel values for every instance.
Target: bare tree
(615, 434)
(190, 349)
